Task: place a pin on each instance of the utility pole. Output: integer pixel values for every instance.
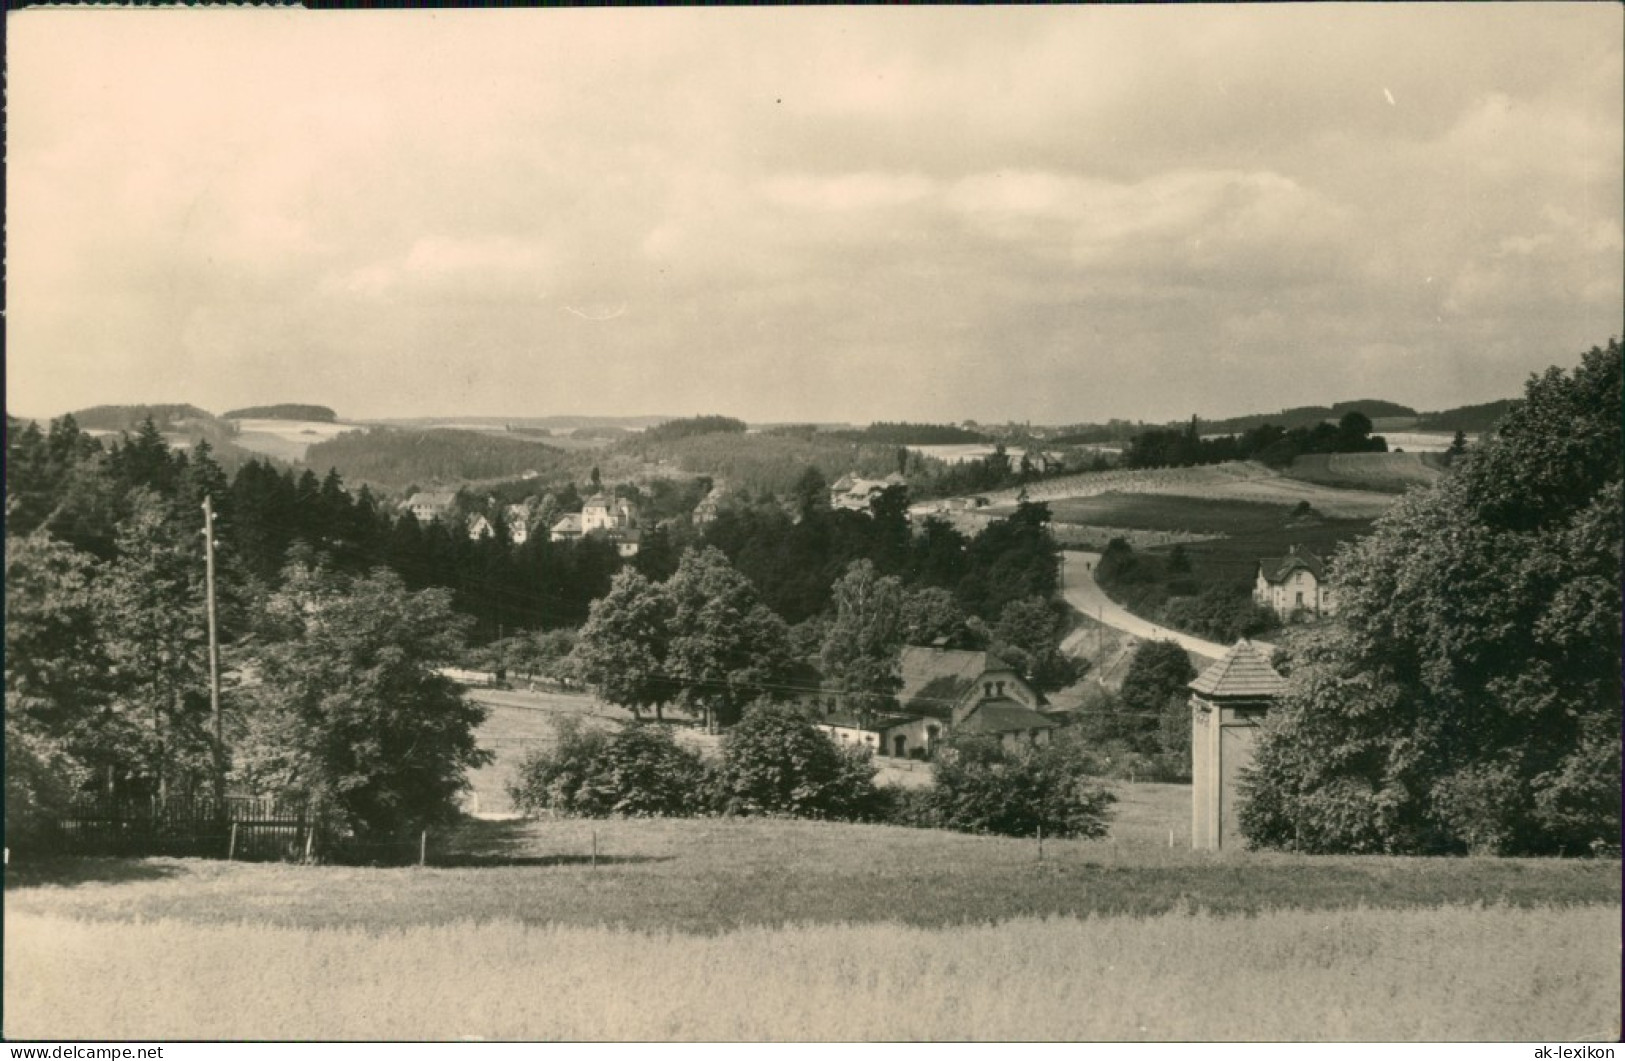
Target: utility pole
(214, 664)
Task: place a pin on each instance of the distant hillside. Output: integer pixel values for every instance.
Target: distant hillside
(906, 434)
(503, 423)
(1472, 418)
(395, 458)
(285, 411)
(692, 426)
(759, 462)
(1307, 416)
(130, 417)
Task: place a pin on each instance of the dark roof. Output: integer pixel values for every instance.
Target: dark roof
(1243, 673)
(1002, 716)
(935, 679)
(1277, 568)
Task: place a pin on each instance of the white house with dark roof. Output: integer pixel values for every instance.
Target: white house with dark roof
(426, 505)
(1295, 585)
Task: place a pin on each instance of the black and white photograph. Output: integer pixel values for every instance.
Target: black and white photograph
(840, 524)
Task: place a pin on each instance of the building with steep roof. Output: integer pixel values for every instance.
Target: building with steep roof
(427, 505)
(1229, 701)
(1294, 585)
(946, 682)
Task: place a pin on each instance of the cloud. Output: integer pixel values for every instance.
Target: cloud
(812, 213)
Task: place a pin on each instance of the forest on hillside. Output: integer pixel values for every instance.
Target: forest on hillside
(395, 458)
(284, 411)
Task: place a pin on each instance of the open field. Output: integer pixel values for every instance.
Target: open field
(1235, 481)
(1235, 559)
(1451, 973)
(1384, 472)
(1189, 515)
(287, 439)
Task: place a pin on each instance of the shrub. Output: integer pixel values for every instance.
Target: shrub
(775, 762)
(979, 786)
(638, 772)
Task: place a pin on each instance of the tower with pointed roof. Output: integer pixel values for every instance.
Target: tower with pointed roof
(1228, 703)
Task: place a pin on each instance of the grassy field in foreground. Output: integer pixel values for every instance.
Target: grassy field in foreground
(715, 875)
(1452, 973)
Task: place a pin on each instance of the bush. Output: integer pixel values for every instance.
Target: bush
(638, 772)
(979, 786)
(775, 762)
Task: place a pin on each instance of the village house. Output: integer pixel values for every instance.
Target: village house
(427, 505)
(706, 511)
(855, 494)
(518, 518)
(614, 518)
(944, 691)
(479, 527)
(1294, 585)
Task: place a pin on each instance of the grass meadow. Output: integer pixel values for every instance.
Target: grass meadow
(1449, 973)
(782, 930)
(767, 929)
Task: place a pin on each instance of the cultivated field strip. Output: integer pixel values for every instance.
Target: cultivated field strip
(1446, 973)
(1234, 480)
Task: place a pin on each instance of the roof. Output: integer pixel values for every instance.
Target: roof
(1277, 568)
(433, 498)
(1243, 673)
(596, 501)
(935, 679)
(1002, 716)
(570, 524)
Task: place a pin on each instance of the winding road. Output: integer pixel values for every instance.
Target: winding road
(1084, 593)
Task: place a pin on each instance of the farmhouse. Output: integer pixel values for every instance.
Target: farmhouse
(708, 508)
(1294, 585)
(479, 527)
(426, 505)
(1228, 703)
(567, 529)
(855, 494)
(946, 683)
(944, 690)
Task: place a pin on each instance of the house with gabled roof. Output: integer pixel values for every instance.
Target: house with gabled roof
(855, 494)
(1295, 585)
(427, 505)
(1229, 701)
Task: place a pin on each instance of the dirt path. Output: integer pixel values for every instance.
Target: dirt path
(1084, 593)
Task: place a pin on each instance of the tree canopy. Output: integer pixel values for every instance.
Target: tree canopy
(1467, 697)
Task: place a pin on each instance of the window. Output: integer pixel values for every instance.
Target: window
(1300, 598)
(1001, 689)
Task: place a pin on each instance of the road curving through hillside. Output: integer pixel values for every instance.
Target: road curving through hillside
(1085, 594)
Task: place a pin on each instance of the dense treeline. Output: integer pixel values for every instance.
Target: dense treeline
(1308, 415)
(795, 557)
(1270, 443)
(1474, 418)
(331, 694)
(397, 458)
(130, 417)
(902, 433)
(693, 426)
(284, 411)
(1466, 697)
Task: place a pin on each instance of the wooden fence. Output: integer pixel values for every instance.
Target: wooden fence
(249, 828)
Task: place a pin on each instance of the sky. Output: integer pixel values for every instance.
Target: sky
(1052, 215)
